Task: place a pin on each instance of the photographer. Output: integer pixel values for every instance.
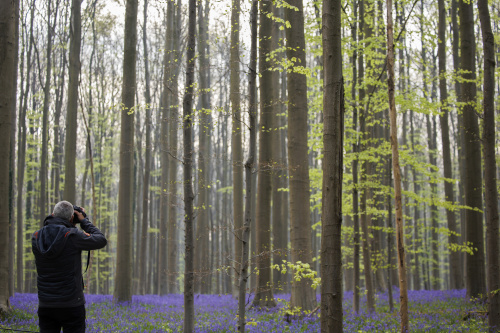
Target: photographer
(58, 248)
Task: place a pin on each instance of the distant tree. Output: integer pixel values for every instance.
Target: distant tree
(490, 168)
(475, 275)
(147, 161)
(236, 142)
(123, 280)
(454, 258)
(8, 13)
(187, 126)
(72, 106)
(333, 136)
(303, 295)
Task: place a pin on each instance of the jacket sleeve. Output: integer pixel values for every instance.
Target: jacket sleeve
(91, 238)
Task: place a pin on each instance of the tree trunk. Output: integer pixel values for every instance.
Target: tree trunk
(172, 162)
(123, 280)
(187, 106)
(454, 257)
(475, 276)
(490, 181)
(403, 293)
(72, 106)
(264, 294)
(147, 161)
(303, 296)
(8, 13)
(203, 204)
(236, 142)
(333, 136)
(249, 165)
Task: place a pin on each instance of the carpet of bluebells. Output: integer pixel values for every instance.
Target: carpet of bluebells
(430, 311)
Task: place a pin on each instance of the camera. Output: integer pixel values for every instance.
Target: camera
(80, 210)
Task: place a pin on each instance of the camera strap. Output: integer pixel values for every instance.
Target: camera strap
(88, 261)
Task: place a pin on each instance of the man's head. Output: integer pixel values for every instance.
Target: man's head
(64, 210)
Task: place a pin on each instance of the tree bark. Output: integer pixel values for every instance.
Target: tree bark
(490, 180)
(249, 165)
(236, 141)
(403, 293)
(333, 136)
(72, 106)
(8, 13)
(123, 280)
(303, 296)
(264, 294)
(187, 106)
(475, 276)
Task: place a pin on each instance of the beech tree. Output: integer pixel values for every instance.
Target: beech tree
(8, 13)
(333, 141)
(123, 283)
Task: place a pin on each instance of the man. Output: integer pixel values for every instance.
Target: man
(58, 255)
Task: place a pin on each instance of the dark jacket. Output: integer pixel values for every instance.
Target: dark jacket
(58, 255)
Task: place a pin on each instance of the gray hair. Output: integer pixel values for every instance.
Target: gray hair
(64, 210)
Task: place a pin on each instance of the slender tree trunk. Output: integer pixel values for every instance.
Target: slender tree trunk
(147, 160)
(476, 277)
(454, 257)
(249, 165)
(264, 294)
(303, 295)
(187, 106)
(236, 142)
(123, 280)
(8, 13)
(403, 293)
(203, 209)
(490, 180)
(172, 162)
(333, 136)
(72, 106)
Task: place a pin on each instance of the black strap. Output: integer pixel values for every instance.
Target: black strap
(88, 262)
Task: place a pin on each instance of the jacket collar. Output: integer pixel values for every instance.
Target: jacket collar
(57, 220)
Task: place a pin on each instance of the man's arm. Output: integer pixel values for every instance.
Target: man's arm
(91, 238)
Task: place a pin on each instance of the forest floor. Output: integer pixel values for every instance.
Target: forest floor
(430, 311)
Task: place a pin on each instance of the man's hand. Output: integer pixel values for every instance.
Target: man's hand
(79, 215)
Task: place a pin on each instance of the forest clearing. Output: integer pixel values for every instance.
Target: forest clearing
(258, 165)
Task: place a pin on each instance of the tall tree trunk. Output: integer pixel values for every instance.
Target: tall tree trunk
(147, 160)
(333, 136)
(403, 293)
(279, 224)
(202, 218)
(173, 129)
(45, 116)
(236, 142)
(8, 13)
(123, 280)
(72, 106)
(249, 165)
(490, 180)
(12, 226)
(367, 166)
(264, 294)
(460, 137)
(303, 295)
(476, 277)
(165, 104)
(454, 257)
(187, 125)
